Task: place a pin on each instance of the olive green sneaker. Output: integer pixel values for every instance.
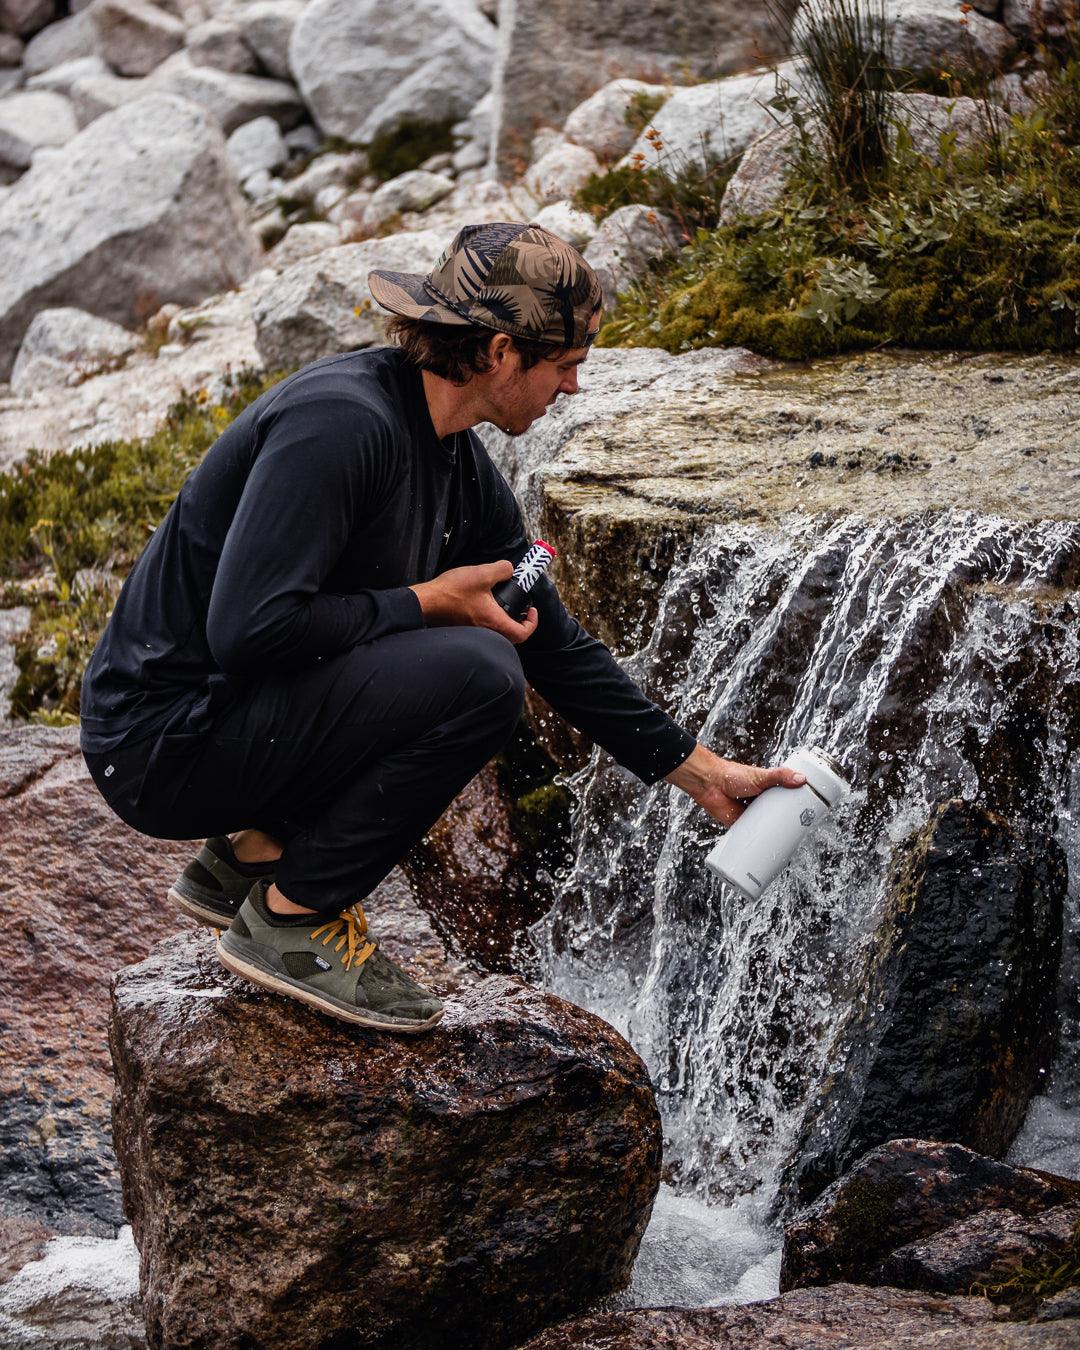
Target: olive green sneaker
(212, 887)
(329, 963)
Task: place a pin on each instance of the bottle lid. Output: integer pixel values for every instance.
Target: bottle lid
(822, 772)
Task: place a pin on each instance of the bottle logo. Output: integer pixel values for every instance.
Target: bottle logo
(807, 816)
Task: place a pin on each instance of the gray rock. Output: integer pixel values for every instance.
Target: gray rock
(565, 220)
(30, 119)
(471, 155)
(322, 305)
(555, 53)
(441, 162)
(11, 50)
(759, 181)
(931, 35)
(221, 45)
(600, 123)
(256, 145)
(412, 191)
(137, 209)
(133, 36)
(93, 95)
(231, 100)
(13, 624)
(63, 346)
(303, 241)
(10, 80)
(1030, 18)
(1065, 1304)
(303, 140)
(59, 79)
(25, 16)
(66, 40)
(268, 26)
(624, 245)
(364, 66)
(560, 171)
(927, 117)
(333, 169)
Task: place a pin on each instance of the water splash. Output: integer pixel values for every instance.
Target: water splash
(933, 657)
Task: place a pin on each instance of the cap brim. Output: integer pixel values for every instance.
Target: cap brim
(405, 293)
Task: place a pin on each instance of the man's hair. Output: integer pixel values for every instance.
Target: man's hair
(457, 353)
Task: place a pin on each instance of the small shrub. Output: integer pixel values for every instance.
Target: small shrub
(407, 146)
(642, 108)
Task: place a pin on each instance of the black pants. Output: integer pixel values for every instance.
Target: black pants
(348, 763)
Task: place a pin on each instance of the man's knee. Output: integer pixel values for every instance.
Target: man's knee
(493, 670)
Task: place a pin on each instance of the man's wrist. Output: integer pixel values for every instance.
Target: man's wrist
(696, 772)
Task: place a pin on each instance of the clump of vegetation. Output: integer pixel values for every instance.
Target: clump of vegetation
(641, 108)
(72, 525)
(1024, 1288)
(877, 239)
(407, 146)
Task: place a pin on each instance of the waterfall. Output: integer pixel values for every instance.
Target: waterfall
(932, 656)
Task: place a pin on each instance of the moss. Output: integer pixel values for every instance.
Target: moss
(408, 145)
(862, 1214)
(1025, 1287)
(691, 194)
(541, 816)
(92, 509)
(641, 108)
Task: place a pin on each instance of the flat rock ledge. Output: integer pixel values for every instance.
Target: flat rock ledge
(841, 1317)
(296, 1182)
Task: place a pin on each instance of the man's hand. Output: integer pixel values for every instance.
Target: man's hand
(463, 596)
(721, 786)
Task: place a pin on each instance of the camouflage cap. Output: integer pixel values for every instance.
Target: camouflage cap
(516, 278)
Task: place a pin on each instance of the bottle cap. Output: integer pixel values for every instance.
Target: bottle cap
(821, 770)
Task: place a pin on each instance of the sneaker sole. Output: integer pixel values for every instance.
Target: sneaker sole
(194, 910)
(279, 984)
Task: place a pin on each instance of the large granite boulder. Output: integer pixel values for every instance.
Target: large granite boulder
(322, 304)
(603, 122)
(364, 67)
(138, 209)
(293, 1181)
(626, 243)
(554, 53)
(954, 1023)
(64, 346)
(901, 1193)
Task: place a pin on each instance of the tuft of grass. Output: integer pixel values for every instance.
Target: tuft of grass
(641, 108)
(408, 145)
(1025, 1287)
(72, 525)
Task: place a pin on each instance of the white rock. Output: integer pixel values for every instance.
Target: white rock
(138, 209)
(221, 45)
(303, 140)
(476, 126)
(759, 181)
(600, 123)
(303, 241)
(11, 50)
(256, 145)
(268, 26)
(63, 346)
(31, 119)
(322, 304)
(263, 187)
(440, 162)
(10, 80)
(348, 214)
(472, 155)
(565, 220)
(59, 79)
(25, 16)
(624, 245)
(412, 191)
(330, 170)
(92, 95)
(560, 171)
(364, 66)
(133, 36)
(230, 99)
(67, 40)
(715, 121)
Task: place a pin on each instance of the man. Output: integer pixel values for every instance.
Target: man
(307, 654)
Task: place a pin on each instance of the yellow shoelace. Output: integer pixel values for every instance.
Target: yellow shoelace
(350, 929)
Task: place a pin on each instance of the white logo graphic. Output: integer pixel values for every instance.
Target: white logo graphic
(807, 816)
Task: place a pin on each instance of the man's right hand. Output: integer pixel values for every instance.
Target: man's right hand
(463, 596)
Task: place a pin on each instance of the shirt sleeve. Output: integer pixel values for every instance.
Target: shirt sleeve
(312, 479)
(575, 672)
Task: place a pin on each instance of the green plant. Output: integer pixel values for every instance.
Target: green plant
(1026, 1286)
(641, 108)
(407, 145)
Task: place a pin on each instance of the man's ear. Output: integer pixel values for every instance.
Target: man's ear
(500, 348)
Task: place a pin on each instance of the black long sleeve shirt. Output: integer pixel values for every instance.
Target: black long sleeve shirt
(299, 535)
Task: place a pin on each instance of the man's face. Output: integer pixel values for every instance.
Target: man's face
(522, 396)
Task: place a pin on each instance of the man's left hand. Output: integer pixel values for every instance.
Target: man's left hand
(722, 786)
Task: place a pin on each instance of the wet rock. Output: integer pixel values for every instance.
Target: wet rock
(900, 1193)
(626, 242)
(555, 53)
(30, 119)
(603, 123)
(231, 100)
(256, 145)
(955, 1021)
(62, 346)
(133, 36)
(322, 305)
(484, 1179)
(268, 26)
(221, 45)
(364, 67)
(982, 1249)
(137, 209)
(412, 191)
(69, 39)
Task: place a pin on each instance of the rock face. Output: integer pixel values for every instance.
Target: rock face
(478, 1182)
(957, 1017)
(317, 307)
(63, 346)
(901, 1193)
(364, 67)
(140, 208)
(838, 1318)
(555, 53)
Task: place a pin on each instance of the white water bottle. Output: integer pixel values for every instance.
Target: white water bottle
(758, 847)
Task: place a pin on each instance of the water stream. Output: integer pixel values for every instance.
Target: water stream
(936, 656)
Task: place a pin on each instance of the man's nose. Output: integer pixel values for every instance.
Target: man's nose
(569, 385)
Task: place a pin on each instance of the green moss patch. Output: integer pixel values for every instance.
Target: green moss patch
(407, 146)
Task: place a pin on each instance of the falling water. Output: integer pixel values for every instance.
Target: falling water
(934, 657)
